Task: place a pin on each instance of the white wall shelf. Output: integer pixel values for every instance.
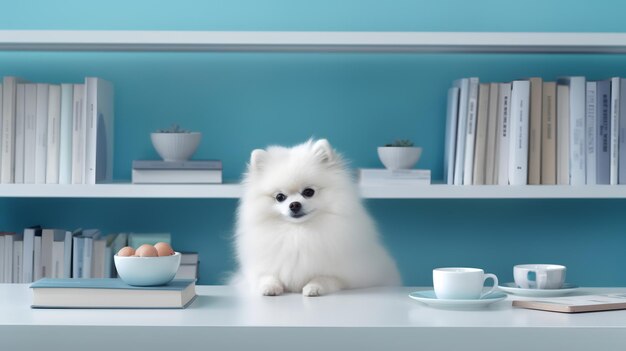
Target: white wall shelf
(200, 191)
(469, 42)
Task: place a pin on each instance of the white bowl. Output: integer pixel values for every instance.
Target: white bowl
(399, 157)
(175, 146)
(147, 271)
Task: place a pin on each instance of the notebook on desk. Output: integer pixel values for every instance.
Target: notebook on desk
(576, 304)
(111, 293)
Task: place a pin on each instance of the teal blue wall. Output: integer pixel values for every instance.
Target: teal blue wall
(241, 101)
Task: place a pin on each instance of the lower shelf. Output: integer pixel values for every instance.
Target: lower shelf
(233, 190)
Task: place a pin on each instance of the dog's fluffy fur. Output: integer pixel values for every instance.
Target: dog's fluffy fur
(331, 243)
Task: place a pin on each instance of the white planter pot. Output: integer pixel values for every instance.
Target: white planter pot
(175, 146)
(399, 157)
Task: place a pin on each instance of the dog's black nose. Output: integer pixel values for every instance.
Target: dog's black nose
(295, 207)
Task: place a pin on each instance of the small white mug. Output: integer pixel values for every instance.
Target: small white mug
(539, 276)
(459, 283)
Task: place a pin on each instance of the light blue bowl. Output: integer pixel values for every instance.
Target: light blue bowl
(147, 271)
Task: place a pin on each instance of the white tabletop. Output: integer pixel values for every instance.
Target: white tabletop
(382, 312)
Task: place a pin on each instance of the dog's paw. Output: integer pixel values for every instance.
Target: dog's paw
(313, 289)
(271, 288)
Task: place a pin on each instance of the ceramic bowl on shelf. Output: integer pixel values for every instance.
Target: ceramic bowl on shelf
(399, 157)
(175, 146)
(147, 271)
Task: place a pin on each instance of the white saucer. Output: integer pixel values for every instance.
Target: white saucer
(428, 297)
(511, 288)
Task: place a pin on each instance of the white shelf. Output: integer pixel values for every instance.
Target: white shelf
(471, 42)
(200, 191)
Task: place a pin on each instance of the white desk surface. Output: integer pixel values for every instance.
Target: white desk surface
(356, 318)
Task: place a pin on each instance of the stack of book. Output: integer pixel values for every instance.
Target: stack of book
(56, 134)
(382, 177)
(185, 172)
(56, 253)
(533, 132)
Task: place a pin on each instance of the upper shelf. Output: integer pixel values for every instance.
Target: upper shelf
(199, 191)
(468, 42)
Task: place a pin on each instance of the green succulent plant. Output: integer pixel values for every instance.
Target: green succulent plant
(401, 143)
(174, 128)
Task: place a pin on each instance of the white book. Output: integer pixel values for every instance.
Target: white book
(577, 153)
(78, 135)
(20, 124)
(41, 145)
(77, 254)
(89, 236)
(176, 176)
(28, 253)
(470, 132)
(492, 135)
(459, 155)
(590, 130)
(562, 135)
(2, 258)
(614, 136)
(30, 132)
(47, 240)
(480, 148)
(54, 128)
(534, 131)
(8, 257)
(58, 256)
(99, 130)
(67, 259)
(187, 271)
(37, 268)
(9, 102)
(450, 147)
(97, 265)
(18, 247)
(518, 142)
(366, 174)
(504, 131)
(65, 134)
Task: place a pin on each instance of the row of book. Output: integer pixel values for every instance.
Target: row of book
(177, 172)
(534, 132)
(56, 253)
(56, 134)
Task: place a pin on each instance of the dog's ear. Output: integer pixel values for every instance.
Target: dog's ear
(323, 150)
(257, 158)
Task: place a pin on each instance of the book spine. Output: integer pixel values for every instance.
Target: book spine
(492, 134)
(87, 258)
(9, 92)
(548, 142)
(614, 146)
(30, 133)
(77, 257)
(29, 242)
(562, 135)
(18, 247)
(20, 123)
(480, 150)
(577, 152)
(65, 134)
(452, 116)
(67, 258)
(590, 130)
(57, 259)
(42, 133)
(54, 128)
(603, 132)
(78, 135)
(37, 267)
(504, 131)
(470, 132)
(622, 133)
(518, 146)
(8, 258)
(2, 240)
(91, 123)
(47, 240)
(459, 155)
(534, 133)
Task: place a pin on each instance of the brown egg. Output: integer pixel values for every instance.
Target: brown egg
(164, 249)
(126, 251)
(146, 250)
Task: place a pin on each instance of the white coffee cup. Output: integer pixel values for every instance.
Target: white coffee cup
(539, 276)
(459, 283)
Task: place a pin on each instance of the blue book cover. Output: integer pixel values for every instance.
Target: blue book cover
(107, 283)
(603, 132)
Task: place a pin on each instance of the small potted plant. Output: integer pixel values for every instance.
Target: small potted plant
(174, 143)
(401, 154)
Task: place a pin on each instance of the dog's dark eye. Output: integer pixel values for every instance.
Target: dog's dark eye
(281, 197)
(308, 192)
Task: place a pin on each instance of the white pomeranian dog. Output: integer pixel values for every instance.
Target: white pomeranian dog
(301, 226)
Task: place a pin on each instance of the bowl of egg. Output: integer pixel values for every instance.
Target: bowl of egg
(148, 265)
